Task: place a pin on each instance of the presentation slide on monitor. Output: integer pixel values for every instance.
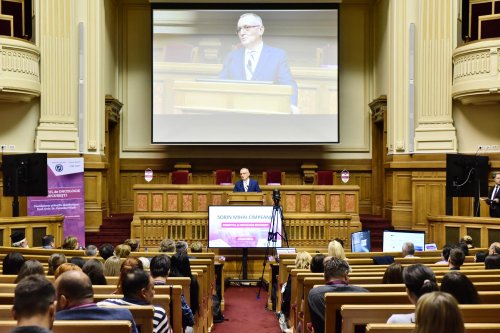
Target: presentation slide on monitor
(393, 240)
(244, 75)
(242, 226)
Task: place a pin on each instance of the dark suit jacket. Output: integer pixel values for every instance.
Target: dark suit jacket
(272, 66)
(253, 186)
(494, 207)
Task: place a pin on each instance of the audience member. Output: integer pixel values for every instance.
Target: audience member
(335, 249)
(138, 289)
(112, 266)
(408, 250)
(75, 301)
(317, 263)
(70, 243)
(145, 262)
(340, 241)
(492, 262)
(18, 239)
(167, 245)
(95, 271)
(180, 267)
(419, 280)
(127, 266)
(464, 248)
(457, 258)
(48, 242)
(461, 287)
(438, 312)
(79, 261)
(34, 305)
(480, 256)
(181, 247)
(122, 251)
(336, 280)
(445, 255)
(64, 268)
(494, 248)
(30, 267)
(55, 260)
(12, 263)
(393, 274)
(91, 251)
(133, 243)
(197, 247)
(303, 260)
(106, 250)
(467, 240)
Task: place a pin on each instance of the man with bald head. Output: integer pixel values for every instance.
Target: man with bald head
(246, 184)
(75, 301)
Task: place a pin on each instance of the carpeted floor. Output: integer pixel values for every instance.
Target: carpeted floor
(244, 313)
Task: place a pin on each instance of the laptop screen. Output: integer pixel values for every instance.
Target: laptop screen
(280, 250)
(360, 241)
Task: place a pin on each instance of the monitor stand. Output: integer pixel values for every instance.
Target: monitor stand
(245, 280)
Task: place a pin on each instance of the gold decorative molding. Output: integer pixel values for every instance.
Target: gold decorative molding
(476, 72)
(19, 70)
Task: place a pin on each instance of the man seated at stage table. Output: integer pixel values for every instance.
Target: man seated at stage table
(493, 199)
(336, 280)
(246, 184)
(18, 239)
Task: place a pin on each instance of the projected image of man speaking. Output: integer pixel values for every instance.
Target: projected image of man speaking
(256, 61)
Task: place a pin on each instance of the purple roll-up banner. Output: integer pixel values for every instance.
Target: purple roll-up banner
(66, 196)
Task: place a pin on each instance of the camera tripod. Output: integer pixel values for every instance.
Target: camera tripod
(272, 236)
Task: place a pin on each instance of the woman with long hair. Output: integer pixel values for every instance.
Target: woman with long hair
(438, 312)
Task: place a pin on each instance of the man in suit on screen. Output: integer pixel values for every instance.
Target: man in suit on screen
(246, 184)
(494, 196)
(256, 61)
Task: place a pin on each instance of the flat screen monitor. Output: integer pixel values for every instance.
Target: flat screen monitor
(204, 90)
(360, 241)
(431, 247)
(27, 173)
(466, 175)
(243, 227)
(393, 240)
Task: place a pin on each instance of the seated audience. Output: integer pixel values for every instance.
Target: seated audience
(75, 301)
(336, 280)
(408, 250)
(30, 267)
(112, 266)
(127, 266)
(79, 261)
(335, 249)
(317, 263)
(480, 256)
(197, 247)
(393, 274)
(95, 271)
(456, 260)
(55, 260)
(180, 267)
(133, 243)
(122, 251)
(48, 242)
(91, 251)
(138, 289)
(34, 305)
(494, 248)
(302, 261)
(464, 248)
(181, 247)
(12, 263)
(106, 250)
(461, 287)
(492, 262)
(18, 239)
(467, 240)
(438, 312)
(445, 255)
(65, 268)
(70, 243)
(419, 280)
(167, 245)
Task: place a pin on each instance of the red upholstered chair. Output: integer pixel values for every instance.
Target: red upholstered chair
(274, 177)
(324, 177)
(223, 177)
(180, 177)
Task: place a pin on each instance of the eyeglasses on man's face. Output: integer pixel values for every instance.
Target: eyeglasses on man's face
(246, 28)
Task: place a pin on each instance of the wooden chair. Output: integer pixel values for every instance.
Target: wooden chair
(180, 177)
(223, 177)
(324, 177)
(143, 316)
(409, 328)
(78, 326)
(273, 177)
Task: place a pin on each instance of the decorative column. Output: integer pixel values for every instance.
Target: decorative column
(434, 132)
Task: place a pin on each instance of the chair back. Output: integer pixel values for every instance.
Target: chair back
(223, 177)
(180, 177)
(324, 177)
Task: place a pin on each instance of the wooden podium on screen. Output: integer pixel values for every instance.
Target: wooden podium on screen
(226, 96)
(245, 198)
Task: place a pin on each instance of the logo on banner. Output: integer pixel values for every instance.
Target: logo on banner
(148, 175)
(59, 168)
(344, 176)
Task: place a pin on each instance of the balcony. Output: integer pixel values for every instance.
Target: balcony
(19, 70)
(476, 72)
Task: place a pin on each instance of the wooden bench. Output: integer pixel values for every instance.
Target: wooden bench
(353, 315)
(78, 326)
(409, 328)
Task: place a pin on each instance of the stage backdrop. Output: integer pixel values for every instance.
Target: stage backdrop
(66, 196)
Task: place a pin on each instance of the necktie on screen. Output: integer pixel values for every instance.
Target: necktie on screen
(250, 63)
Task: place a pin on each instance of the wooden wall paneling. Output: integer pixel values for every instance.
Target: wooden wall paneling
(429, 196)
(400, 209)
(95, 199)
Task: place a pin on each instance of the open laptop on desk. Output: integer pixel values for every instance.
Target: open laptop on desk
(280, 250)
